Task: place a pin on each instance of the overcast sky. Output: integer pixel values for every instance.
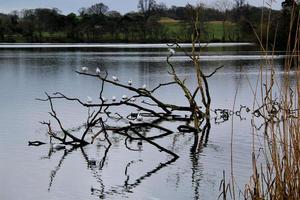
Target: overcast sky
(123, 6)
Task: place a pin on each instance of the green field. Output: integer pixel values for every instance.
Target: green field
(211, 31)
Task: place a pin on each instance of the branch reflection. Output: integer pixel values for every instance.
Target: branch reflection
(97, 166)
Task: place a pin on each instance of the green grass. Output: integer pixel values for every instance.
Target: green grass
(213, 30)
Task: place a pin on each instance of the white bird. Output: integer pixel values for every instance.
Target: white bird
(144, 86)
(124, 97)
(113, 98)
(132, 99)
(139, 118)
(171, 51)
(104, 99)
(89, 99)
(115, 78)
(98, 71)
(130, 82)
(84, 69)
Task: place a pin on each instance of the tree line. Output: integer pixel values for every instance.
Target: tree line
(98, 23)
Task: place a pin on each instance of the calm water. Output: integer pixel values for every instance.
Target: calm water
(31, 173)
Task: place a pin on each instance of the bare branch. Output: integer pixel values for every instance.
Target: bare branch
(215, 71)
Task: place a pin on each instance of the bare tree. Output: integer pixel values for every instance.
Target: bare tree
(146, 9)
(97, 9)
(223, 6)
(239, 3)
(146, 6)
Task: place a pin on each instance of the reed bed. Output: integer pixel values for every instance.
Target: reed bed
(276, 157)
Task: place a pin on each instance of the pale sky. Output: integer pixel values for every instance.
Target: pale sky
(123, 6)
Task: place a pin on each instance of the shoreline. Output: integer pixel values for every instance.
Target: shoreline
(118, 45)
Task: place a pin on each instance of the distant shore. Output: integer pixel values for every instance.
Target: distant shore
(117, 45)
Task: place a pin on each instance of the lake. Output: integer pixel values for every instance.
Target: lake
(34, 173)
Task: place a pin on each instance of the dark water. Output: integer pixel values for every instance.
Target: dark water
(31, 173)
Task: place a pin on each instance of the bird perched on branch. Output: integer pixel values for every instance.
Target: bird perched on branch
(133, 99)
(144, 86)
(116, 79)
(139, 117)
(124, 97)
(171, 51)
(104, 99)
(130, 82)
(113, 98)
(84, 69)
(98, 71)
(89, 99)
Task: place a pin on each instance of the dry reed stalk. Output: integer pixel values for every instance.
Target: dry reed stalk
(276, 168)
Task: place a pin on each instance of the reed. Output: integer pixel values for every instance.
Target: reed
(276, 160)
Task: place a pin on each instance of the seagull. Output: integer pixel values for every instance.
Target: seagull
(171, 51)
(130, 82)
(113, 98)
(139, 118)
(132, 99)
(144, 86)
(84, 69)
(89, 99)
(115, 78)
(104, 99)
(124, 97)
(98, 71)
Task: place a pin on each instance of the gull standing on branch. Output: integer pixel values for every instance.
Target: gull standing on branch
(84, 69)
(171, 51)
(89, 99)
(139, 117)
(130, 82)
(115, 78)
(133, 99)
(124, 97)
(113, 98)
(104, 99)
(144, 86)
(98, 71)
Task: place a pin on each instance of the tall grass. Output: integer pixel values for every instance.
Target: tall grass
(276, 161)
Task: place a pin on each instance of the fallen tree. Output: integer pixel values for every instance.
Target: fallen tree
(150, 112)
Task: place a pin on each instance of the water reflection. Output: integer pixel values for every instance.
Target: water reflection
(59, 165)
(96, 166)
(114, 172)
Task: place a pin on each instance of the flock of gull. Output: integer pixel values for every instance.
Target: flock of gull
(89, 99)
(116, 79)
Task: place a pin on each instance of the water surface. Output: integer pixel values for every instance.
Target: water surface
(31, 173)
